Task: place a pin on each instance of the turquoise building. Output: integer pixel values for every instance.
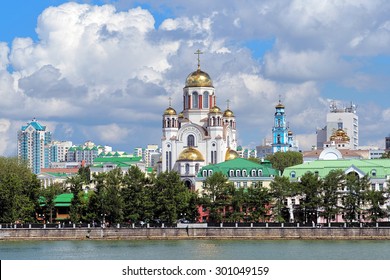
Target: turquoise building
(33, 145)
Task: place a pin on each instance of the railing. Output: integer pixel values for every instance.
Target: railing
(5, 226)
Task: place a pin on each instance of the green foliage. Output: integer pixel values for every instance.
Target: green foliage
(281, 188)
(281, 160)
(332, 184)
(352, 199)
(49, 194)
(19, 191)
(310, 189)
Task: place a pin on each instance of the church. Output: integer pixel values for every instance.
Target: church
(201, 134)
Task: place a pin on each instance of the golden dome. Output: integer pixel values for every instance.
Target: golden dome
(340, 135)
(170, 111)
(191, 154)
(279, 106)
(199, 78)
(231, 154)
(215, 109)
(228, 113)
(181, 115)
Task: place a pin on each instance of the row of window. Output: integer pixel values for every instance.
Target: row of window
(237, 173)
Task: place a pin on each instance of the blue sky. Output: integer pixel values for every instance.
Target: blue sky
(105, 70)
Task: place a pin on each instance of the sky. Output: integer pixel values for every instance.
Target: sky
(105, 70)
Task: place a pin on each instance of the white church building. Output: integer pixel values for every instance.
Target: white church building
(200, 134)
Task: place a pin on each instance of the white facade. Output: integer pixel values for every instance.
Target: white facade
(201, 134)
(345, 119)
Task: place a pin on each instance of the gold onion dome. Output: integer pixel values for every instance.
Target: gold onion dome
(215, 109)
(191, 154)
(339, 134)
(279, 106)
(170, 111)
(228, 113)
(199, 78)
(231, 154)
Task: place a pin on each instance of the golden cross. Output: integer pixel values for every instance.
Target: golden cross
(228, 103)
(170, 99)
(198, 52)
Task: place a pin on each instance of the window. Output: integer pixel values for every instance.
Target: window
(210, 172)
(206, 99)
(373, 172)
(197, 168)
(190, 141)
(292, 174)
(259, 172)
(238, 173)
(187, 168)
(195, 100)
(253, 173)
(231, 173)
(204, 173)
(244, 173)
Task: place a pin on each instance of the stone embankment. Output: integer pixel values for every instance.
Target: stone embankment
(194, 233)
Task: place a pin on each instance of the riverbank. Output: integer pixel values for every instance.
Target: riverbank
(195, 233)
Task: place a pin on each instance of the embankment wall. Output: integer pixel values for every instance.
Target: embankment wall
(194, 233)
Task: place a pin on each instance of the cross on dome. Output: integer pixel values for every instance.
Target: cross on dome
(198, 52)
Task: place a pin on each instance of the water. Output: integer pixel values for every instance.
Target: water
(196, 250)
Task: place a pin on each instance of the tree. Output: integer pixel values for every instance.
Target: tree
(375, 201)
(113, 203)
(280, 190)
(172, 198)
(353, 197)
(256, 201)
(77, 206)
(19, 191)
(310, 188)
(214, 195)
(49, 194)
(281, 160)
(136, 198)
(332, 184)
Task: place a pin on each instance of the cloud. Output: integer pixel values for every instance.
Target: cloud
(111, 68)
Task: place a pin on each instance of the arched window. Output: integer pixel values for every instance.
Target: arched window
(206, 99)
(373, 172)
(195, 100)
(292, 174)
(244, 173)
(210, 172)
(231, 173)
(197, 168)
(253, 172)
(187, 168)
(278, 139)
(204, 173)
(190, 141)
(259, 172)
(238, 173)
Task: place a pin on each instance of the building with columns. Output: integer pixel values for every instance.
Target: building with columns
(200, 134)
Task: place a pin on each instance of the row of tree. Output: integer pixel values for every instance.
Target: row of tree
(132, 197)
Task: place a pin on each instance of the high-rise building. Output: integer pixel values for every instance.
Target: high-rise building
(387, 143)
(59, 150)
(344, 118)
(33, 145)
(199, 135)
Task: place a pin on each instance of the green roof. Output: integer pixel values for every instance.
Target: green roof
(120, 161)
(323, 167)
(239, 164)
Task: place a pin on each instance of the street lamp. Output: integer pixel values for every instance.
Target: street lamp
(103, 220)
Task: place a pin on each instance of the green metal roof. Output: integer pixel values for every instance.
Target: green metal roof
(120, 161)
(241, 164)
(323, 167)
